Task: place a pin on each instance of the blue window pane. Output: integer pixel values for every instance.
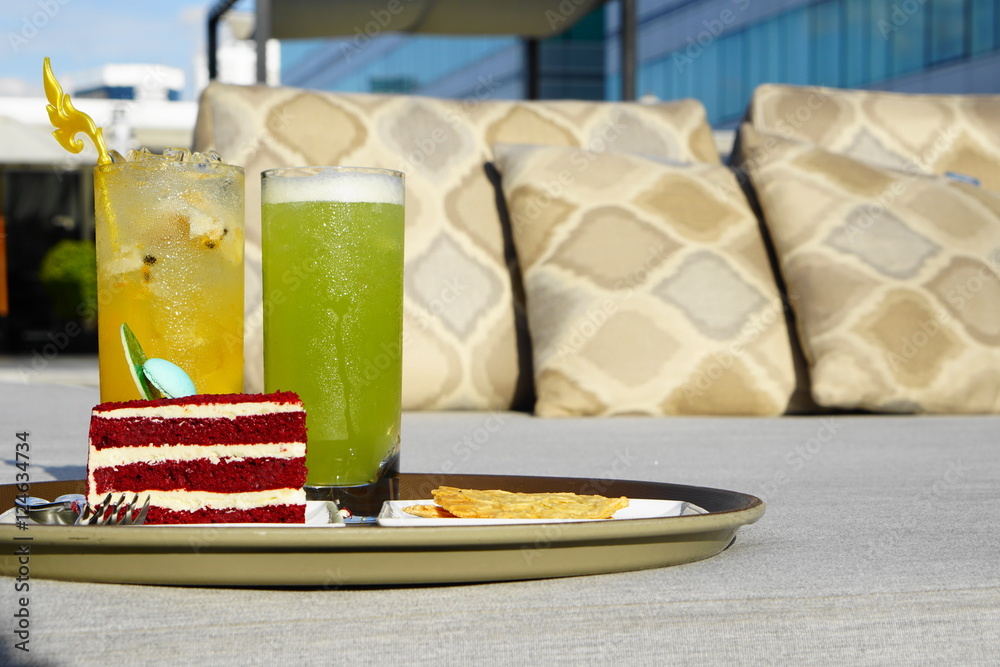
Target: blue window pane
(667, 83)
(795, 26)
(947, 29)
(644, 79)
(983, 21)
(824, 43)
(685, 81)
(682, 67)
(881, 30)
(858, 34)
(764, 55)
(706, 80)
(907, 43)
(775, 55)
(613, 86)
(653, 84)
(673, 82)
(406, 64)
(756, 55)
(733, 96)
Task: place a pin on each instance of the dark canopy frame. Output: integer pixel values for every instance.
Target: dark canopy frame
(532, 20)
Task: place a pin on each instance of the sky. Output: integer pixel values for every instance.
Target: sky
(79, 35)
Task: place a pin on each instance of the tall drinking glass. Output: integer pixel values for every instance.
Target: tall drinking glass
(170, 265)
(333, 315)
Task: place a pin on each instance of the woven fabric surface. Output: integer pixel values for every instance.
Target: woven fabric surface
(878, 547)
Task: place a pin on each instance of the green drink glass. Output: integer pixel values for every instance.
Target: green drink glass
(332, 240)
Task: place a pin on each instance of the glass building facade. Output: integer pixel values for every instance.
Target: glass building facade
(717, 51)
(720, 51)
(389, 63)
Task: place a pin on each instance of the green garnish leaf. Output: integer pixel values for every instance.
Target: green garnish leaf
(135, 358)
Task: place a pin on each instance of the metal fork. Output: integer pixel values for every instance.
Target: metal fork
(111, 512)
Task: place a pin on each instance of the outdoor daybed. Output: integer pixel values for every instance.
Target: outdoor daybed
(591, 292)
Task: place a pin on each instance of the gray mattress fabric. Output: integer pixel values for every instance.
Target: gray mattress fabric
(879, 546)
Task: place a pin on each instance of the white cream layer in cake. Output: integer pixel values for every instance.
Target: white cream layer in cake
(202, 411)
(116, 456)
(189, 501)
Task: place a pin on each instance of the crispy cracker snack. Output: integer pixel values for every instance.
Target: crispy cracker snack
(494, 504)
(429, 512)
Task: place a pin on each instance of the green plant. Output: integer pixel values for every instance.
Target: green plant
(69, 274)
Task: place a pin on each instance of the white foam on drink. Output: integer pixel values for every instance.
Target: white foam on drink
(338, 186)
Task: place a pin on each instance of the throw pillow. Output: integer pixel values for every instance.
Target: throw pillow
(894, 278)
(463, 330)
(648, 287)
(932, 134)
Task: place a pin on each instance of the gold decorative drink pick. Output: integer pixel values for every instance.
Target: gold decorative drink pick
(70, 121)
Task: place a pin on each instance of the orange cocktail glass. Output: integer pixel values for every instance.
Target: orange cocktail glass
(169, 256)
(170, 265)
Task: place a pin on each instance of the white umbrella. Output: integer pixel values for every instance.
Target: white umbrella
(528, 18)
(534, 19)
(30, 144)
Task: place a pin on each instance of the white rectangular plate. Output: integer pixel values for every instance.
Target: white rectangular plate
(392, 514)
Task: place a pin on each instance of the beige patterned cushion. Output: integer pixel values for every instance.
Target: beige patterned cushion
(460, 321)
(648, 287)
(932, 134)
(893, 277)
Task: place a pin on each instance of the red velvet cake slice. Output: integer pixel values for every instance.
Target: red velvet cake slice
(227, 458)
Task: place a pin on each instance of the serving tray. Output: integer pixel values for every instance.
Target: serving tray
(252, 555)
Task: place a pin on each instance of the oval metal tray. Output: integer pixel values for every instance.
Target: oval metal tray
(376, 555)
